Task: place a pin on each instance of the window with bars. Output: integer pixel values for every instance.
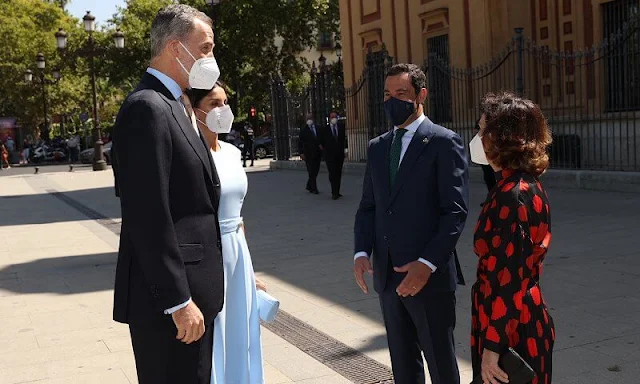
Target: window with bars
(325, 40)
(621, 22)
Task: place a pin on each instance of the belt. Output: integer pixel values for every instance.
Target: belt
(230, 225)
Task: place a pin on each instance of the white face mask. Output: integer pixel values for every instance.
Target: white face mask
(219, 119)
(204, 73)
(478, 155)
(334, 121)
(309, 122)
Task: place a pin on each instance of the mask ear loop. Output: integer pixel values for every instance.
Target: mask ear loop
(198, 120)
(189, 52)
(180, 62)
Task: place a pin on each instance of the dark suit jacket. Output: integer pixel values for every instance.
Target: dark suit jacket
(169, 191)
(425, 212)
(309, 144)
(333, 147)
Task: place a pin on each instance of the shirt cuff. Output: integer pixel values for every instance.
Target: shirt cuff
(177, 307)
(428, 264)
(359, 255)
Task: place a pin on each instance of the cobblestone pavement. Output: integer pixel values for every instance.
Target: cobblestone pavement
(56, 276)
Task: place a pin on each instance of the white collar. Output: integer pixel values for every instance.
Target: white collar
(413, 127)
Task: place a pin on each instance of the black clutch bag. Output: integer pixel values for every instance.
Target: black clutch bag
(515, 367)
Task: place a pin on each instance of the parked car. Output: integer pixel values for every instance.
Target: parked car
(86, 156)
(263, 147)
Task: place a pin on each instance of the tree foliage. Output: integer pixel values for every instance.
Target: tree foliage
(246, 49)
(245, 36)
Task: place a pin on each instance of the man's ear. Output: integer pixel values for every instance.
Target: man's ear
(422, 96)
(174, 47)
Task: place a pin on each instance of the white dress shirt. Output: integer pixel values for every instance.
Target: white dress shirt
(406, 140)
(176, 92)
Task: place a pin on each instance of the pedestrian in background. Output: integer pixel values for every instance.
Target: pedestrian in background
(334, 143)
(73, 144)
(26, 151)
(511, 240)
(247, 141)
(310, 149)
(5, 155)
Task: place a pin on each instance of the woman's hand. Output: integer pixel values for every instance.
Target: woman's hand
(491, 372)
(261, 285)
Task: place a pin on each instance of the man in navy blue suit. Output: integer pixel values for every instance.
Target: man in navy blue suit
(413, 209)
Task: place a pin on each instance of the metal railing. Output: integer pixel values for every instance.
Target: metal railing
(591, 98)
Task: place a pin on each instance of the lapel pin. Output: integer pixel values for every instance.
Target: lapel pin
(425, 140)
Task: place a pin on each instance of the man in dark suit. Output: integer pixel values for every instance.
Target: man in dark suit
(334, 144)
(310, 149)
(413, 209)
(169, 276)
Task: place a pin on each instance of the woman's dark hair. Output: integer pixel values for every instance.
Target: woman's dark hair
(196, 95)
(516, 134)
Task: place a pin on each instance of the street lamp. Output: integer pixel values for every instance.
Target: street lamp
(322, 60)
(118, 39)
(89, 21)
(338, 49)
(61, 39)
(41, 64)
(40, 61)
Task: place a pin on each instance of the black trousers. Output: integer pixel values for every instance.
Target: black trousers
(313, 168)
(420, 324)
(247, 150)
(162, 359)
(334, 166)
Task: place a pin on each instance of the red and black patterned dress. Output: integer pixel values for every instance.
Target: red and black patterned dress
(511, 241)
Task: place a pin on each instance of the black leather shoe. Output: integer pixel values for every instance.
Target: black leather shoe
(315, 192)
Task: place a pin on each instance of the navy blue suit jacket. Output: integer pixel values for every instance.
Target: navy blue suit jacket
(425, 212)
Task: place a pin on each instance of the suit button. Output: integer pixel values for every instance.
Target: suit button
(219, 244)
(385, 238)
(389, 213)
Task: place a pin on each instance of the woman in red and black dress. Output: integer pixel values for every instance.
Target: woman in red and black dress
(511, 240)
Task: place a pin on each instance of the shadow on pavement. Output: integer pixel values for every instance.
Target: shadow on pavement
(306, 241)
(61, 275)
(46, 209)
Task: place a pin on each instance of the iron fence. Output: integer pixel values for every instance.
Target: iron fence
(590, 97)
(324, 94)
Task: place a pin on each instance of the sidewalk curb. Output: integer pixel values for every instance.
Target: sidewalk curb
(608, 181)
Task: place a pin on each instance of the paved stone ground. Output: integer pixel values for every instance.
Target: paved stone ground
(56, 274)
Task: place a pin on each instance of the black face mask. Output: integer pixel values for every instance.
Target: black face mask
(398, 111)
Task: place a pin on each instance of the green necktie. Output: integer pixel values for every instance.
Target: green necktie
(394, 156)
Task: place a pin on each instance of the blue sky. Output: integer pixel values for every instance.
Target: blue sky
(101, 9)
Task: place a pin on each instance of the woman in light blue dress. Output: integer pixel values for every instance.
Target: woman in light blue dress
(237, 349)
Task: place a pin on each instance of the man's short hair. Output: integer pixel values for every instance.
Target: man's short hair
(175, 21)
(417, 77)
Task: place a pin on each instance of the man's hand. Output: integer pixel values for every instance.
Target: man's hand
(302, 157)
(490, 371)
(417, 276)
(190, 323)
(360, 266)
